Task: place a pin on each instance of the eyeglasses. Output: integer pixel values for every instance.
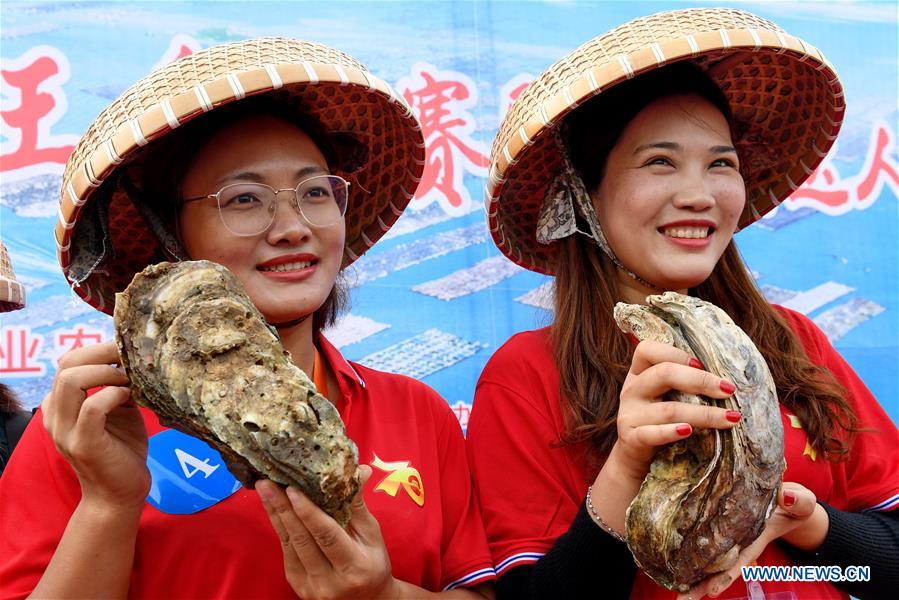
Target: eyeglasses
(249, 208)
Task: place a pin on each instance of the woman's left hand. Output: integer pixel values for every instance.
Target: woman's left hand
(795, 512)
(322, 559)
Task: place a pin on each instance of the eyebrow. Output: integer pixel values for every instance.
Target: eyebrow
(678, 147)
(661, 145)
(258, 178)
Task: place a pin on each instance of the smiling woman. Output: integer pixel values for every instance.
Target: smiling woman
(671, 195)
(222, 167)
(234, 175)
(625, 170)
(187, 165)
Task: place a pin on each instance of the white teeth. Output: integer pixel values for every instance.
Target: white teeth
(687, 232)
(295, 266)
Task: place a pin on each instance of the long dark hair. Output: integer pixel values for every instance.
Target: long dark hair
(9, 402)
(593, 357)
(160, 174)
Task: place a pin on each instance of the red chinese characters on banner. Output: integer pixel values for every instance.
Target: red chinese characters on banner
(181, 45)
(827, 191)
(33, 102)
(880, 168)
(819, 189)
(19, 351)
(70, 339)
(462, 411)
(441, 100)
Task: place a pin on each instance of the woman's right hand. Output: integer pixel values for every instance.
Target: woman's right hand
(102, 435)
(646, 421)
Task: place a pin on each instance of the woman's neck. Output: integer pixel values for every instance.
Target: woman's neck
(297, 339)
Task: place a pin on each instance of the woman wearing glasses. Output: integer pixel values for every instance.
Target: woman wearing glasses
(239, 154)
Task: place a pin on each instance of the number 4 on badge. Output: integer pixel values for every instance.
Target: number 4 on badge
(190, 464)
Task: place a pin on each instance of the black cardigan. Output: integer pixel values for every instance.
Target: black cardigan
(587, 561)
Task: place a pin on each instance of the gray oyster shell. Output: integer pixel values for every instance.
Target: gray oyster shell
(707, 497)
(202, 357)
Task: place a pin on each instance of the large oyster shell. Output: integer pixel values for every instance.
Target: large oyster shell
(201, 356)
(706, 497)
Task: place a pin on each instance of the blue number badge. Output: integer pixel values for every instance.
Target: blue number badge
(188, 474)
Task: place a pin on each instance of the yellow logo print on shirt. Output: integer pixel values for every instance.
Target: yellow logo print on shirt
(809, 451)
(400, 475)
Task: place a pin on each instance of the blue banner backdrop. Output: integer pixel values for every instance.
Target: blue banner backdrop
(435, 298)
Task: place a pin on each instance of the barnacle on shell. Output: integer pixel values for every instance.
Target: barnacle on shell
(708, 496)
(202, 357)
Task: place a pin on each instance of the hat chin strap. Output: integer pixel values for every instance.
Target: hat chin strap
(289, 324)
(585, 208)
(620, 266)
(566, 202)
(169, 241)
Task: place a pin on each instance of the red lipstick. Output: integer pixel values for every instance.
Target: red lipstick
(685, 241)
(294, 267)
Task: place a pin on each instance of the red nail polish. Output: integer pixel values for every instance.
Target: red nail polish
(727, 387)
(684, 429)
(733, 416)
(634, 339)
(694, 362)
(789, 498)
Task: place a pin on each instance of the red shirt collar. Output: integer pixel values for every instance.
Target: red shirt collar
(348, 378)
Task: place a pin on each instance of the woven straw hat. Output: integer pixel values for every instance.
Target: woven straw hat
(780, 87)
(12, 293)
(101, 236)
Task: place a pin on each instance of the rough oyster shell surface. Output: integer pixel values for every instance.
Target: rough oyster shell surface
(707, 497)
(201, 356)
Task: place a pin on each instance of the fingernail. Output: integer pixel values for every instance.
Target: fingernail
(293, 494)
(684, 429)
(727, 387)
(634, 339)
(364, 475)
(789, 498)
(733, 416)
(265, 493)
(695, 363)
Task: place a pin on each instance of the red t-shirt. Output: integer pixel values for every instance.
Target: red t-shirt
(426, 511)
(530, 488)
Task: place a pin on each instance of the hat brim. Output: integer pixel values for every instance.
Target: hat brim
(12, 295)
(314, 79)
(781, 88)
